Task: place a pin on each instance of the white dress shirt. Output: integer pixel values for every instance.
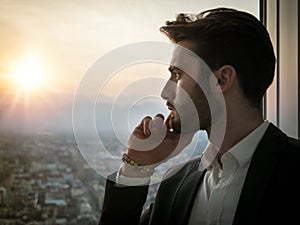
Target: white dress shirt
(219, 193)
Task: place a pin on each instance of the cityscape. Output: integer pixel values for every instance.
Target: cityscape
(48, 50)
(44, 180)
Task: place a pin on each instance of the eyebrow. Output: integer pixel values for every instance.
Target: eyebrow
(171, 68)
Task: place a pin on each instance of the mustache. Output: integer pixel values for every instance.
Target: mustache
(170, 105)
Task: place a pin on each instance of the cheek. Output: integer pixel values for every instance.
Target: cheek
(182, 98)
(184, 91)
(189, 96)
(199, 99)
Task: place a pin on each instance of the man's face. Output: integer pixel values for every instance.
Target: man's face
(185, 98)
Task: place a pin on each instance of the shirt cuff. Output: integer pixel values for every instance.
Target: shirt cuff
(131, 181)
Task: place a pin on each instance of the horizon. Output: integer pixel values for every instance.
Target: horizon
(47, 48)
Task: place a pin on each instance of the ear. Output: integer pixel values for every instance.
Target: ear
(226, 77)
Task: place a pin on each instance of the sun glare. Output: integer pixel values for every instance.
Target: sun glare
(29, 74)
(28, 84)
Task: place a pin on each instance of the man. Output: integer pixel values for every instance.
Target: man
(247, 173)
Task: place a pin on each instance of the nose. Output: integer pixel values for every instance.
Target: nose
(168, 92)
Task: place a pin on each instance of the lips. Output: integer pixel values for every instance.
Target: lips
(170, 106)
(172, 109)
(171, 115)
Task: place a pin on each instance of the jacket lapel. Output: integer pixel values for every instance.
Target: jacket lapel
(185, 196)
(259, 172)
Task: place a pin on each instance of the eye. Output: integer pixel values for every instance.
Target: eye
(175, 76)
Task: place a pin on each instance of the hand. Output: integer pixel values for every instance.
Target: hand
(153, 142)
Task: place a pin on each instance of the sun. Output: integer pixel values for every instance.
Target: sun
(29, 74)
(28, 83)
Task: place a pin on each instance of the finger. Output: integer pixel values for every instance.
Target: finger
(157, 122)
(146, 125)
(157, 126)
(160, 116)
(141, 124)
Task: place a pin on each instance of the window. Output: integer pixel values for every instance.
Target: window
(282, 101)
(48, 47)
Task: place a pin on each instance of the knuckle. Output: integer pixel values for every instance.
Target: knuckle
(147, 118)
(161, 116)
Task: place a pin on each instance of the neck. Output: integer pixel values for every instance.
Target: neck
(238, 126)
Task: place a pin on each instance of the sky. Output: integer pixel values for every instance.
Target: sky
(60, 40)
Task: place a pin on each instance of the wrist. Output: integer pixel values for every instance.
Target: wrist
(133, 172)
(140, 157)
(131, 168)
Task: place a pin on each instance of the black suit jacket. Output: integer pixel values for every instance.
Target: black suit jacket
(270, 194)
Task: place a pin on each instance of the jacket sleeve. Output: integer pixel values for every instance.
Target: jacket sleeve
(123, 204)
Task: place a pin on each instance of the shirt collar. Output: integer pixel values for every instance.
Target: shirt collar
(242, 151)
(208, 156)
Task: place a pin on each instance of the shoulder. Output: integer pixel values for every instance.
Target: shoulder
(284, 144)
(283, 147)
(294, 144)
(292, 149)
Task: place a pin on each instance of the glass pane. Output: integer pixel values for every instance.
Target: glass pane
(46, 49)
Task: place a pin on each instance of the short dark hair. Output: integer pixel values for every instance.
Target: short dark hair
(227, 36)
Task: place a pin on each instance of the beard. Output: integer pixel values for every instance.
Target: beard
(188, 125)
(175, 122)
(188, 122)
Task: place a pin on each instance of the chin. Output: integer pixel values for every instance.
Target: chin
(176, 126)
